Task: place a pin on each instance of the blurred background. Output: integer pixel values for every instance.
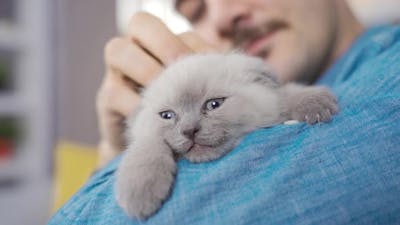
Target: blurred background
(51, 65)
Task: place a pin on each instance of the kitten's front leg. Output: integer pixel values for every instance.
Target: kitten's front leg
(312, 104)
(145, 177)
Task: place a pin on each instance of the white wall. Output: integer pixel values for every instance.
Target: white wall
(376, 12)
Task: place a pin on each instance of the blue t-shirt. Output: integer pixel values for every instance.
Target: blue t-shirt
(343, 172)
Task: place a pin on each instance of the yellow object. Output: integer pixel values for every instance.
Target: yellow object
(74, 164)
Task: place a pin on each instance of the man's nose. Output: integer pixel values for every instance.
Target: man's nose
(226, 16)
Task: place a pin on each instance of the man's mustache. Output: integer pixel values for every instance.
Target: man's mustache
(244, 36)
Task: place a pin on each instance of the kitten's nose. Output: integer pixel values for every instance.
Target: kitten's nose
(189, 133)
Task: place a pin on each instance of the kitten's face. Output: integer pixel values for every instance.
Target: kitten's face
(203, 104)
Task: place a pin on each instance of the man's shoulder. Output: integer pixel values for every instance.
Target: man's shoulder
(373, 55)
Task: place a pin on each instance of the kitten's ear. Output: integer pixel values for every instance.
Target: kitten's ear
(265, 77)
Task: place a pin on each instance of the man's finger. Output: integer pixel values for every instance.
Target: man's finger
(129, 59)
(197, 44)
(126, 102)
(153, 35)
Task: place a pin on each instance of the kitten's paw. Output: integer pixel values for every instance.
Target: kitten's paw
(142, 190)
(315, 105)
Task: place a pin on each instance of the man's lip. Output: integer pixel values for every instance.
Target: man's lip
(256, 45)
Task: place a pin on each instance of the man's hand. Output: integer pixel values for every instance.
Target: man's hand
(132, 62)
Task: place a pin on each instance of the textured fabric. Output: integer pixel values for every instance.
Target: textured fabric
(343, 172)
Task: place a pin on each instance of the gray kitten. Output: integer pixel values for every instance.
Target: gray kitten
(199, 108)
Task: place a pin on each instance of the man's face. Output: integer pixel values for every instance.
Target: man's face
(294, 37)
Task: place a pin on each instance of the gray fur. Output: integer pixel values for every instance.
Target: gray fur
(253, 99)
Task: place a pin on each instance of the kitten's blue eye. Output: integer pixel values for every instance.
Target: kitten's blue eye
(167, 115)
(213, 103)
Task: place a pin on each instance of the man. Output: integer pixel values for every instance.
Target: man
(307, 35)
(341, 172)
